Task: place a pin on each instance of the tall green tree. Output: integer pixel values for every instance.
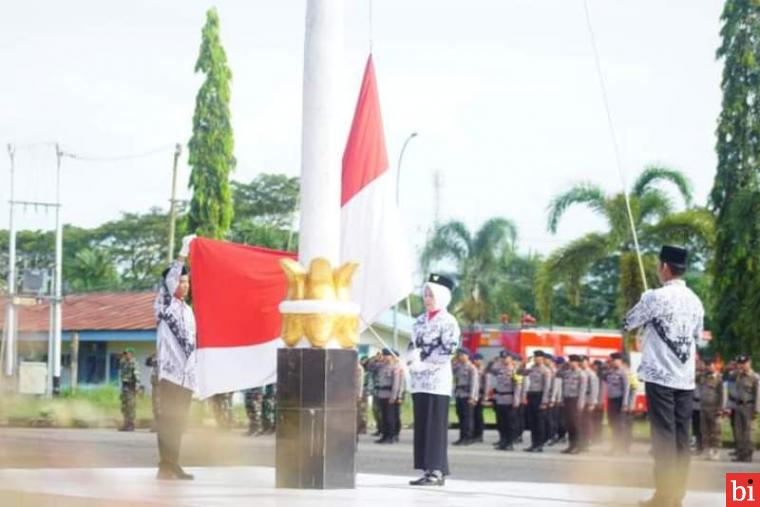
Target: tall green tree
(476, 261)
(735, 196)
(656, 220)
(211, 146)
(265, 210)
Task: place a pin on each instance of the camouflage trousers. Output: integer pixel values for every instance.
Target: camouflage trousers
(253, 408)
(268, 409)
(361, 414)
(221, 404)
(128, 405)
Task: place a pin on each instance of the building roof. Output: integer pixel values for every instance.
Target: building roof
(123, 311)
(95, 311)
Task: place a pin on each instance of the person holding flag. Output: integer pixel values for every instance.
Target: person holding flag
(176, 363)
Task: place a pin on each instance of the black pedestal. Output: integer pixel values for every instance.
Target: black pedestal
(316, 418)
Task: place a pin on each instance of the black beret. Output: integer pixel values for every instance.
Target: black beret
(441, 280)
(538, 353)
(387, 352)
(674, 255)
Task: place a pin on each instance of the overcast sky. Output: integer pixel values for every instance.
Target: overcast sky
(504, 95)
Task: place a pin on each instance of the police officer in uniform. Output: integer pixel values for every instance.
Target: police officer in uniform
(747, 406)
(479, 425)
(574, 383)
(506, 388)
(618, 391)
(557, 427)
(710, 387)
(466, 393)
(386, 378)
(537, 392)
(591, 399)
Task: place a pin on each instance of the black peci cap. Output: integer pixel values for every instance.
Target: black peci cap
(674, 255)
(441, 280)
(616, 355)
(574, 358)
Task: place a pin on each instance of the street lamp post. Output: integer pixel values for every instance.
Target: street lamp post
(398, 179)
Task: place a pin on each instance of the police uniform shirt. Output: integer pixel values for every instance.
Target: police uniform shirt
(539, 381)
(467, 381)
(507, 387)
(385, 381)
(574, 386)
(592, 387)
(671, 319)
(617, 383)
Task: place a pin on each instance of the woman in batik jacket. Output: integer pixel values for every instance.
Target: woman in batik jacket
(435, 338)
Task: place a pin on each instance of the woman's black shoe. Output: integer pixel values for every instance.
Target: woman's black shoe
(428, 480)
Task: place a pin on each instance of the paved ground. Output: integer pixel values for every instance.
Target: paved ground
(87, 448)
(242, 486)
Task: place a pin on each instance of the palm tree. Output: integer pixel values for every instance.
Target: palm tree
(656, 221)
(477, 259)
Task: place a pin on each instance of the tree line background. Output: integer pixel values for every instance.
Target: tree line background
(589, 282)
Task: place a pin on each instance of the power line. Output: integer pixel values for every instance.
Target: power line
(118, 158)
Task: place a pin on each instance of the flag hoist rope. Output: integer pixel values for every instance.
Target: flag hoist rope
(611, 127)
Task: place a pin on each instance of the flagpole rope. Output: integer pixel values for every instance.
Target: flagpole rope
(379, 339)
(616, 149)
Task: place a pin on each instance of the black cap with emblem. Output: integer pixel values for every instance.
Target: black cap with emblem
(442, 280)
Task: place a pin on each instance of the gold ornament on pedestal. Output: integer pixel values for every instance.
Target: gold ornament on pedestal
(318, 305)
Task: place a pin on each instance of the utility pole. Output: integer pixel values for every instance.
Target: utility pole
(10, 320)
(173, 202)
(58, 281)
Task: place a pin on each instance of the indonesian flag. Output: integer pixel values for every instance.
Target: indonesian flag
(236, 291)
(371, 231)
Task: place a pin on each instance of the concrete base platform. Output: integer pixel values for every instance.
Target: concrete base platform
(254, 486)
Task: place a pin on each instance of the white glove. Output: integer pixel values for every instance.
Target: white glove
(185, 250)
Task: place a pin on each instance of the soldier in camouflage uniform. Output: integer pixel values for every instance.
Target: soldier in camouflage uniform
(710, 387)
(129, 376)
(747, 402)
(253, 399)
(221, 404)
(269, 408)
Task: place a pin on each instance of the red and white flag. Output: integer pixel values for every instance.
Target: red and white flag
(236, 292)
(371, 230)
